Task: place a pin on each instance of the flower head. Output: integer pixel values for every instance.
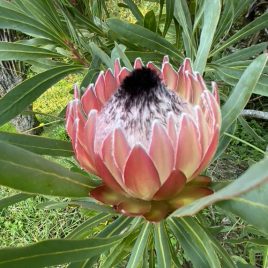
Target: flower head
(147, 134)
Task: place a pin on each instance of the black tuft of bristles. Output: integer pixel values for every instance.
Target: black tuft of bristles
(140, 81)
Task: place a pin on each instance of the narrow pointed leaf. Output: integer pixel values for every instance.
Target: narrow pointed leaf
(200, 239)
(212, 12)
(232, 74)
(225, 22)
(53, 252)
(14, 51)
(252, 207)
(243, 54)
(242, 92)
(250, 130)
(139, 247)
(135, 10)
(135, 33)
(39, 145)
(253, 178)
(16, 100)
(225, 140)
(14, 199)
(150, 21)
(162, 245)
(120, 252)
(185, 240)
(83, 230)
(28, 172)
(251, 28)
(123, 56)
(169, 15)
(183, 17)
(17, 19)
(115, 228)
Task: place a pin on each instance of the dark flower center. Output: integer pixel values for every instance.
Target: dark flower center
(140, 82)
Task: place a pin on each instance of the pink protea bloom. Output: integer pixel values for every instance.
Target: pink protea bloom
(147, 134)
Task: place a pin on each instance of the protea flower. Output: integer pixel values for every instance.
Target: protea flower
(148, 134)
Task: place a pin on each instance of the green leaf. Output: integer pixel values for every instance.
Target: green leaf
(169, 15)
(142, 37)
(123, 56)
(243, 54)
(150, 21)
(135, 10)
(255, 176)
(162, 245)
(242, 92)
(225, 22)
(92, 72)
(200, 239)
(98, 52)
(145, 56)
(39, 145)
(14, 51)
(120, 252)
(232, 74)
(251, 28)
(225, 257)
(11, 200)
(53, 252)
(16, 100)
(17, 19)
(250, 130)
(212, 12)
(116, 227)
(83, 230)
(252, 207)
(183, 17)
(225, 140)
(28, 172)
(188, 244)
(137, 253)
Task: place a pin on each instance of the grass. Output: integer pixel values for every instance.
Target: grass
(24, 223)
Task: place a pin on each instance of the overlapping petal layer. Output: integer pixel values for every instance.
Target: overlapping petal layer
(156, 173)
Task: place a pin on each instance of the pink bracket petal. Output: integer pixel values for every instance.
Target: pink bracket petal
(76, 92)
(121, 149)
(100, 88)
(188, 149)
(187, 66)
(106, 176)
(172, 186)
(165, 59)
(89, 100)
(140, 174)
(170, 77)
(171, 128)
(161, 152)
(209, 153)
(196, 89)
(90, 131)
(215, 92)
(110, 84)
(138, 64)
(123, 74)
(151, 66)
(184, 85)
(117, 69)
(109, 161)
